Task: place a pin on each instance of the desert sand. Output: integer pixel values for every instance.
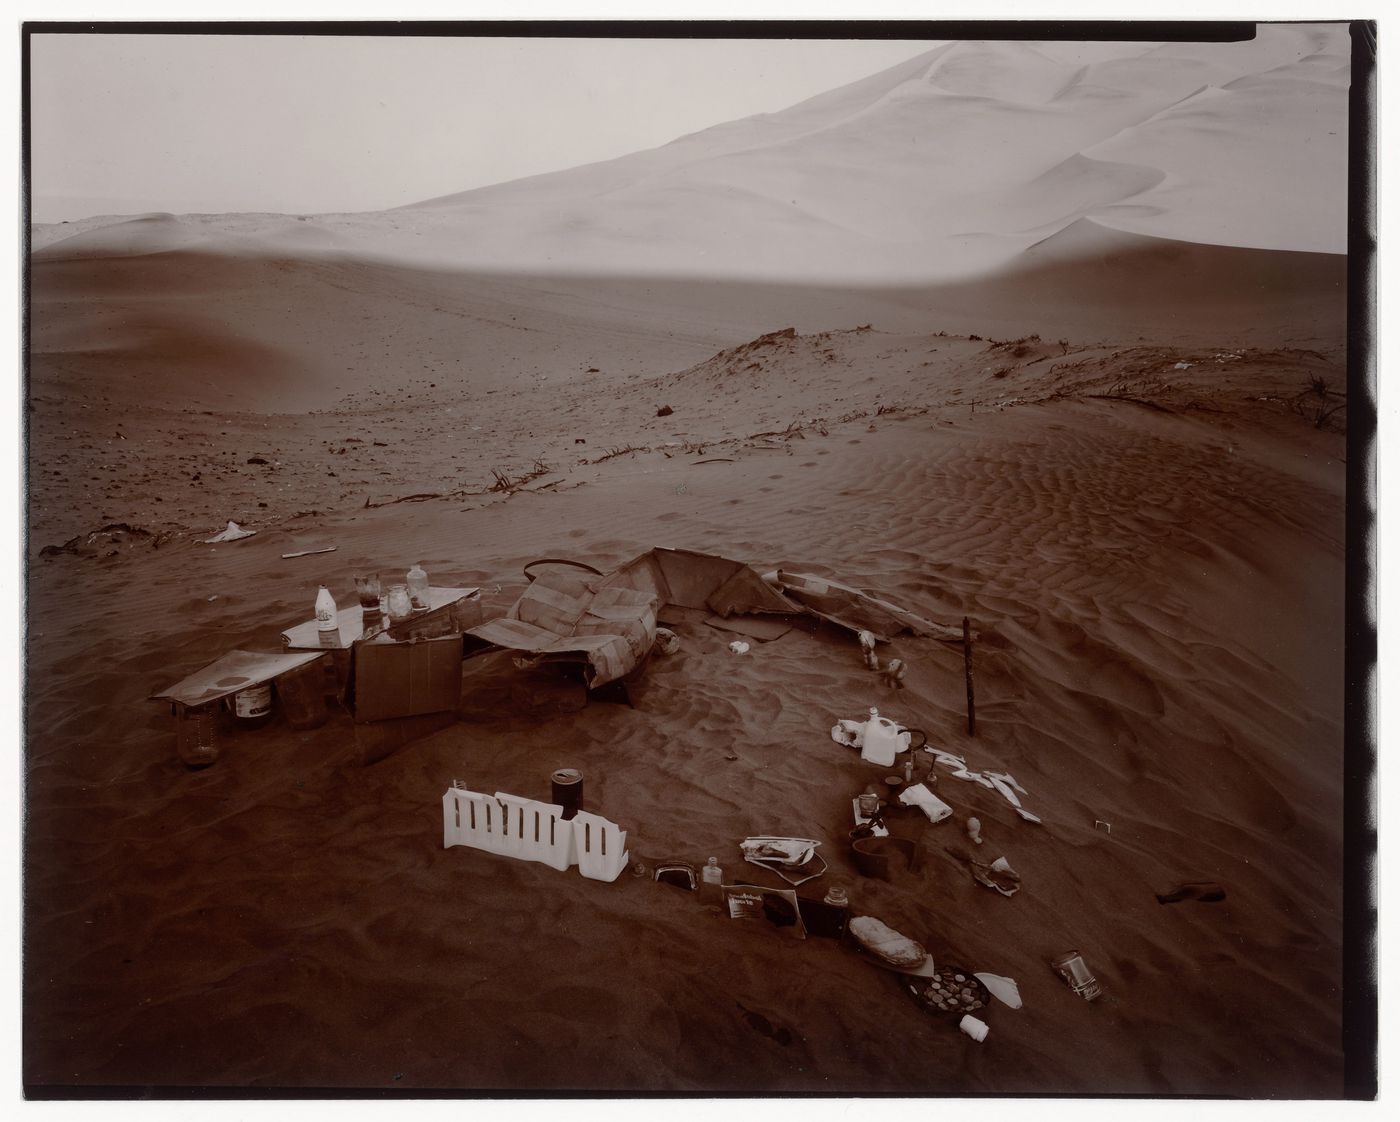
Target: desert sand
(1118, 452)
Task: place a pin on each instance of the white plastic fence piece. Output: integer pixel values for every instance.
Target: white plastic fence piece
(601, 846)
(508, 825)
(537, 831)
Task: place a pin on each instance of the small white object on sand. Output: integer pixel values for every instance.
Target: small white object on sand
(231, 533)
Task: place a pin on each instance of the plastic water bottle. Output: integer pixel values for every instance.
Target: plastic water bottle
(325, 611)
(418, 587)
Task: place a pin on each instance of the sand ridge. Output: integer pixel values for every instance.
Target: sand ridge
(1135, 673)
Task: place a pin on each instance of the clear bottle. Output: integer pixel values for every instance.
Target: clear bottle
(418, 587)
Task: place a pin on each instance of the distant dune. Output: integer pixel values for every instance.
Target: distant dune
(949, 164)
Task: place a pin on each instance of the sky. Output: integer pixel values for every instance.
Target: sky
(128, 124)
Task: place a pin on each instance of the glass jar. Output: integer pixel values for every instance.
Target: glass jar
(398, 606)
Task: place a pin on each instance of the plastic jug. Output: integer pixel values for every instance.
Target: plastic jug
(880, 742)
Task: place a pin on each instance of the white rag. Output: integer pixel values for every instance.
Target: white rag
(920, 796)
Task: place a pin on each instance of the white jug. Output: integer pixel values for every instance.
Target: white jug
(880, 741)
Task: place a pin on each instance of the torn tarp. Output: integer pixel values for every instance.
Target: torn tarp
(607, 623)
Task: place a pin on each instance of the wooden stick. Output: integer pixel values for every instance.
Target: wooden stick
(967, 671)
(308, 552)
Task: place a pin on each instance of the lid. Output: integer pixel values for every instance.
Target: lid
(712, 861)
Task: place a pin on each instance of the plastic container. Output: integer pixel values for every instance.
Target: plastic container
(325, 611)
(199, 731)
(252, 707)
(974, 1028)
(880, 742)
(418, 588)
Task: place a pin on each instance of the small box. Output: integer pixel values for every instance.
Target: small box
(407, 679)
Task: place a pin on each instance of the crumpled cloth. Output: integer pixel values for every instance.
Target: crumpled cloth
(920, 796)
(231, 533)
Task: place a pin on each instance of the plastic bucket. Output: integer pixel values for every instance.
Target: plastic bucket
(876, 856)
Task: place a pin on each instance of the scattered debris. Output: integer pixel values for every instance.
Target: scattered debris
(231, 533)
(893, 674)
(998, 875)
(665, 411)
(107, 541)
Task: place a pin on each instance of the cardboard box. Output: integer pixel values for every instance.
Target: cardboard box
(382, 739)
(407, 679)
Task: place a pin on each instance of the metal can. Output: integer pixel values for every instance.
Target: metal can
(566, 788)
(869, 804)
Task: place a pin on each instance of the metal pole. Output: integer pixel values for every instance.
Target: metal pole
(967, 670)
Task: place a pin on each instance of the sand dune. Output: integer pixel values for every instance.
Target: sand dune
(1119, 452)
(946, 165)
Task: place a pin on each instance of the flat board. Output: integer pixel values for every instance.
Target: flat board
(307, 637)
(232, 672)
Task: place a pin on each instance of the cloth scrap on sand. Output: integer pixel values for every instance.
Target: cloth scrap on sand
(231, 533)
(999, 874)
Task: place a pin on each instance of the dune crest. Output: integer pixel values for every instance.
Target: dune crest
(941, 167)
